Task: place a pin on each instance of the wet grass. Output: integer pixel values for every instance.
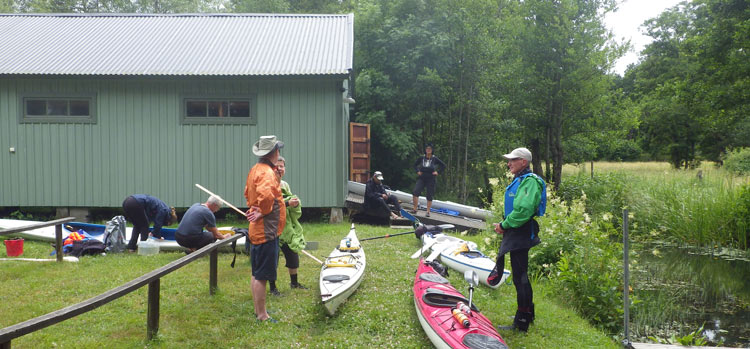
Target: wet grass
(380, 314)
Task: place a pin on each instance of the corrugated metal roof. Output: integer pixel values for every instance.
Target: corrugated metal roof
(186, 44)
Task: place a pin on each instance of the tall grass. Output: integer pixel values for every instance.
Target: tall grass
(701, 207)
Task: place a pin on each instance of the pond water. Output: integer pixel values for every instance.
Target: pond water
(681, 289)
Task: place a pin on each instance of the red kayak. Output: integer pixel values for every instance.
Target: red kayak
(445, 314)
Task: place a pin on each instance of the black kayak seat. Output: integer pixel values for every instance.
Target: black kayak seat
(478, 340)
(438, 298)
(335, 278)
(432, 277)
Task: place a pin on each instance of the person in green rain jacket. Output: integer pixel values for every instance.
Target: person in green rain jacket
(292, 239)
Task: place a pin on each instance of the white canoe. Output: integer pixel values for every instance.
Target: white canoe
(342, 272)
(96, 231)
(460, 255)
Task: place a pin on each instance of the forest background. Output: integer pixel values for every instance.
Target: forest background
(477, 78)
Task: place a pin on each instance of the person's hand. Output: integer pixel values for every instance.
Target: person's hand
(384, 196)
(499, 228)
(253, 213)
(225, 236)
(419, 173)
(294, 202)
(434, 173)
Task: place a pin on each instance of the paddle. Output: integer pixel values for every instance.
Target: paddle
(387, 236)
(243, 214)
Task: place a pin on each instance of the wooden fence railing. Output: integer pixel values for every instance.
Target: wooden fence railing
(58, 232)
(152, 279)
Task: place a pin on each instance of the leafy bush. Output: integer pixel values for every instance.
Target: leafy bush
(738, 161)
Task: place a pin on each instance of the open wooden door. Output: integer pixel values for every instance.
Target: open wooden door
(359, 152)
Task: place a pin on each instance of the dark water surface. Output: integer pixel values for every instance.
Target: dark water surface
(684, 288)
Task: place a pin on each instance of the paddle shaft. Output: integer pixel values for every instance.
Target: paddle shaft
(220, 199)
(386, 236)
(243, 214)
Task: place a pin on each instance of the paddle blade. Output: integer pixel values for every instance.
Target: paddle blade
(408, 216)
(432, 256)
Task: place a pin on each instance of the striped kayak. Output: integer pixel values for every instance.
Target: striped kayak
(342, 272)
(95, 231)
(460, 255)
(435, 300)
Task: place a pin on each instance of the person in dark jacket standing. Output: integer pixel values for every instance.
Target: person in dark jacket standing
(525, 197)
(428, 167)
(377, 199)
(140, 209)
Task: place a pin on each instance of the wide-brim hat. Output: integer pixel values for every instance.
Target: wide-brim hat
(519, 153)
(266, 144)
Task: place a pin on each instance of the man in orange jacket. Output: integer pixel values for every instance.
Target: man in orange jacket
(267, 217)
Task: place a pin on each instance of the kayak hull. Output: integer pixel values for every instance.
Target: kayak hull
(342, 272)
(443, 330)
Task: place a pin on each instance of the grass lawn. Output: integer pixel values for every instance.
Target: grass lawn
(380, 314)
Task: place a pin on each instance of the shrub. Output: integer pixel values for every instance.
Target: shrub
(738, 161)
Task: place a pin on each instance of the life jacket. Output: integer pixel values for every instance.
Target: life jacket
(74, 236)
(512, 188)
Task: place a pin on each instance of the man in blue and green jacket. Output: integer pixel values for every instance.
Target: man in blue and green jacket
(525, 198)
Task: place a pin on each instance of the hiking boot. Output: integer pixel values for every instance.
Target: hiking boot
(298, 285)
(275, 292)
(427, 214)
(520, 322)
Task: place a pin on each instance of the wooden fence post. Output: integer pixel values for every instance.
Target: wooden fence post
(152, 326)
(58, 242)
(212, 279)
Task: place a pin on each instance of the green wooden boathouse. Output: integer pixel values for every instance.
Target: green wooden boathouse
(94, 108)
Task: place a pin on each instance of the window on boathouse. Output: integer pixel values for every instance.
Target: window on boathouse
(58, 109)
(218, 110)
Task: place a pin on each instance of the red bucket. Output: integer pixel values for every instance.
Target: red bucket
(14, 247)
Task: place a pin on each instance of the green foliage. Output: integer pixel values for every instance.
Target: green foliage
(738, 161)
(694, 338)
(18, 214)
(605, 192)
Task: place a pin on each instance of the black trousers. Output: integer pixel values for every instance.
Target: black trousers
(380, 205)
(425, 183)
(136, 214)
(519, 262)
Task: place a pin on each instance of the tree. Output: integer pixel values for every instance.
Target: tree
(559, 79)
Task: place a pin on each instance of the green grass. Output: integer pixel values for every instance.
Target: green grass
(380, 314)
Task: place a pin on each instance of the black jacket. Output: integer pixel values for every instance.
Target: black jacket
(427, 166)
(373, 191)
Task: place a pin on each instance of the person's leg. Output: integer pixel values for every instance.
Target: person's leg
(135, 214)
(430, 193)
(259, 298)
(393, 200)
(519, 261)
(415, 194)
(292, 264)
(264, 259)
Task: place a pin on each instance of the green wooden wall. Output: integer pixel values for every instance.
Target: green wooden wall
(138, 144)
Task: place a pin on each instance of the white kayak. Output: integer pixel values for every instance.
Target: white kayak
(342, 272)
(95, 231)
(459, 255)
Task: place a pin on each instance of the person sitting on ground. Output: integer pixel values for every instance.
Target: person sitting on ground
(190, 233)
(292, 239)
(377, 199)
